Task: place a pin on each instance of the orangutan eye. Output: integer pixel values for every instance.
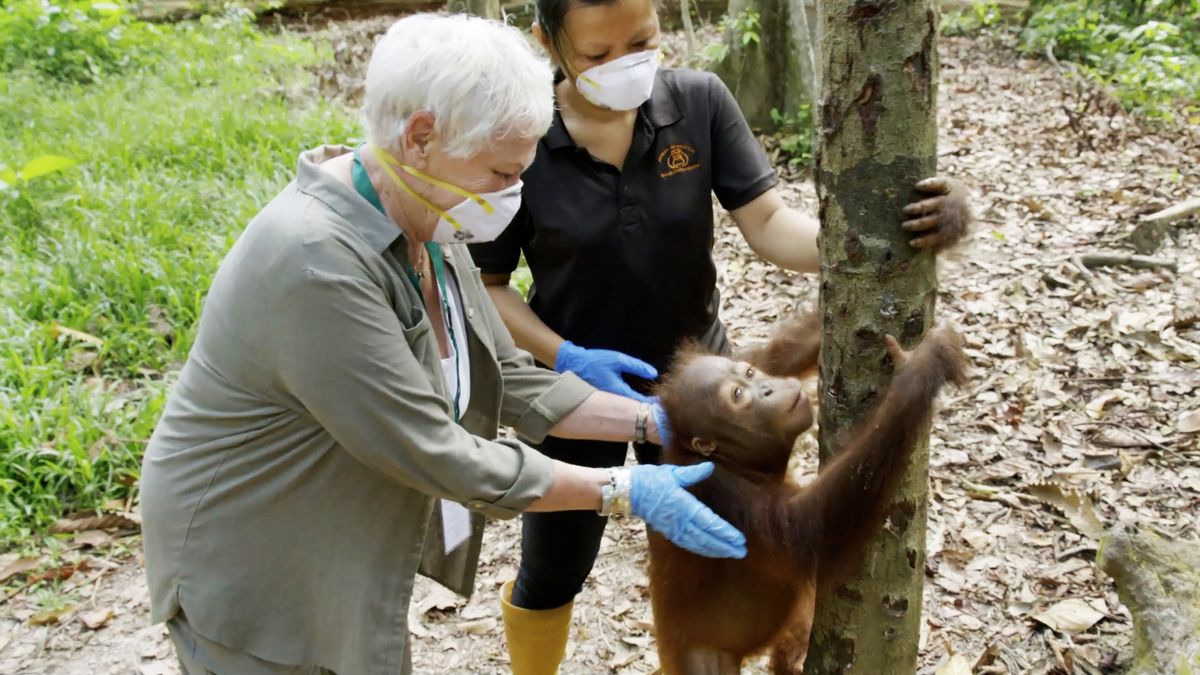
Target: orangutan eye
(737, 394)
(750, 372)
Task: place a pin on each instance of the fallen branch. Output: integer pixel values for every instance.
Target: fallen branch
(1178, 212)
(1140, 262)
(1159, 581)
(1153, 443)
(16, 591)
(1077, 261)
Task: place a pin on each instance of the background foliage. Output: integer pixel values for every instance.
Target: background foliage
(1146, 51)
(180, 134)
(74, 40)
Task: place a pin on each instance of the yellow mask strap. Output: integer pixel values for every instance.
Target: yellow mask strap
(385, 159)
(658, 59)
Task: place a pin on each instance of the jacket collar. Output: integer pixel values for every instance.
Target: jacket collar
(376, 229)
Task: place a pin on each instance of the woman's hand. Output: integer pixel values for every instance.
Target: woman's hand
(942, 220)
(657, 496)
(602, 368)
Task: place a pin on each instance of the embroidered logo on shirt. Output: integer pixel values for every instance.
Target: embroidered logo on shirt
(676, 159)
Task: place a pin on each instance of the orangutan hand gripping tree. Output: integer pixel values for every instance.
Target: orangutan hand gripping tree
(710, 614)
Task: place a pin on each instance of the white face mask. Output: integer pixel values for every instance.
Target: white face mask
(474, 220)
(479, 218)
(620, 84)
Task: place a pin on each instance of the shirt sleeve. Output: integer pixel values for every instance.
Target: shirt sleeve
(741, 171)
(502, 255)
(535, 399)
(344, 357)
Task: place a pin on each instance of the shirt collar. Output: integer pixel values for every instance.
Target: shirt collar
(661, 110)
(375, 228)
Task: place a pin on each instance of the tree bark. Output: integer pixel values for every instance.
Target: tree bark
(877, 136)
(777, 72)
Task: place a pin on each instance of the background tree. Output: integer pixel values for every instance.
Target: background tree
(486, 8)
(766, 57)
(877, 136)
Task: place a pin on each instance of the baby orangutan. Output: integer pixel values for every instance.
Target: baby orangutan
(709, 613)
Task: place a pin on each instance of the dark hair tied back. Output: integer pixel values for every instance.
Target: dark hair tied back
(550, 16)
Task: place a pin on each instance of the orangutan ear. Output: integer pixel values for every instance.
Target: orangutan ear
(704, 447)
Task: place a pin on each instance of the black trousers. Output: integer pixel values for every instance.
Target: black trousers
(559, 548)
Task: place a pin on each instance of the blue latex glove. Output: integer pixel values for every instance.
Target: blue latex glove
(657, 497)
(660, 420)
(602, 368)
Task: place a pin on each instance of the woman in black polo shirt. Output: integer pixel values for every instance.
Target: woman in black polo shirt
(617, 228)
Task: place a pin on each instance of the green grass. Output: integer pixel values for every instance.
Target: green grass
(1146, 52)
(175, 156)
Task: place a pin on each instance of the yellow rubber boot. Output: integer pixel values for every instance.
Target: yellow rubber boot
(537, 638)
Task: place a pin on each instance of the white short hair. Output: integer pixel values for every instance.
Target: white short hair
(481, 80)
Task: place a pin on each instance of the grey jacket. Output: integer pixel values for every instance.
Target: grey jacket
(287, 489)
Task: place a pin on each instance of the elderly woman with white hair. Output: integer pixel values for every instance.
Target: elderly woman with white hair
(333, 431)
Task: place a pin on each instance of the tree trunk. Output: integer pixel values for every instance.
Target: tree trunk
(489, 9)
(685, 13)
(1159, 581)
(877, 130)
(670, 12)
(776, 72)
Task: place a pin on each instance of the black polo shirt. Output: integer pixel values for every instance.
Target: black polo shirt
(623, 259)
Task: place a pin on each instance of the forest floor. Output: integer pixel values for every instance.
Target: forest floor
(1090, 378)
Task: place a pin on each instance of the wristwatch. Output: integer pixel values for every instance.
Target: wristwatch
(639, 426)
